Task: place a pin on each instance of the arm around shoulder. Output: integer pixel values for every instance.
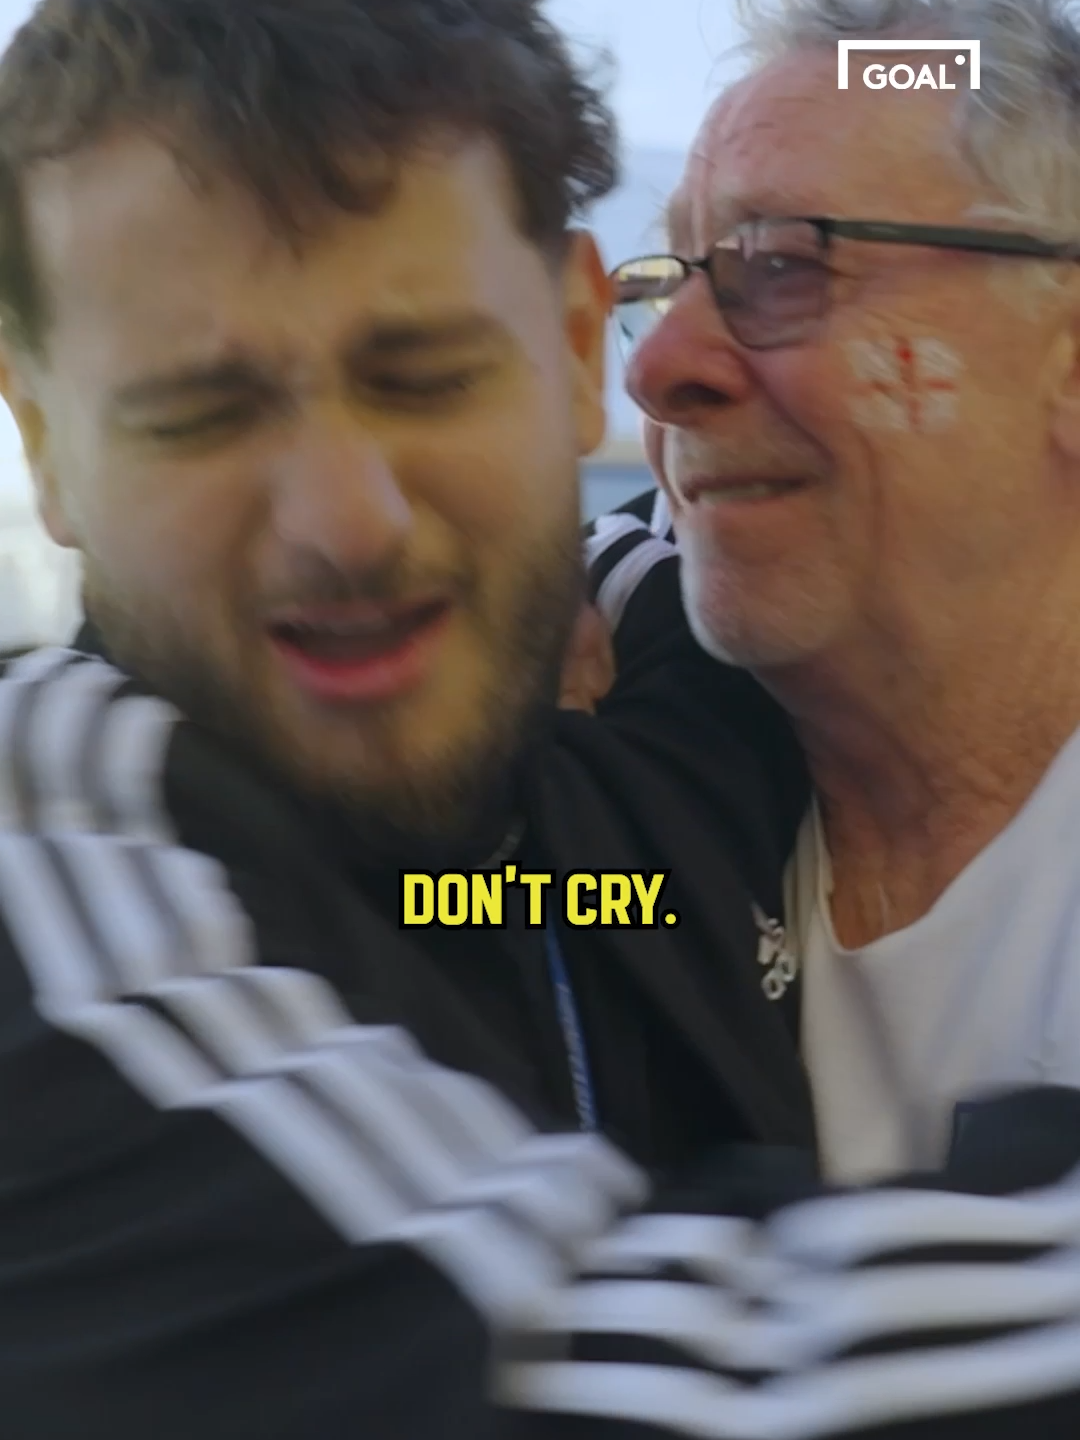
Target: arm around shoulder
(227, 1209)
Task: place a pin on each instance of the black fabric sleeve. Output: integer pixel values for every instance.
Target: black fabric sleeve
(633, 575)
(226, 1209)
(943, 1307)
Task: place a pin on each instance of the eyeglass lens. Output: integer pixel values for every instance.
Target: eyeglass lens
(769, 280)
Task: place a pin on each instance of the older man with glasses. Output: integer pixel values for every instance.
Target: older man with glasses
(860, 368)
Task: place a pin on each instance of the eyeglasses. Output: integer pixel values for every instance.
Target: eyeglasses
(771, 279)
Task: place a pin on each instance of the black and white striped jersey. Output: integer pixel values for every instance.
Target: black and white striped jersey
(235, 1200)
(227, 1208)
(942, 1307)
(267, 1167)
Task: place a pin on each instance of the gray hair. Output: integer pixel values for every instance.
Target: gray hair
(1020, 132)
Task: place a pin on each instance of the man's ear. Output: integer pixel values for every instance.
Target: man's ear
(21, 395)
(588, 297)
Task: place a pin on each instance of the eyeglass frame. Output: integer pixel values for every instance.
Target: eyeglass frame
(973, 240)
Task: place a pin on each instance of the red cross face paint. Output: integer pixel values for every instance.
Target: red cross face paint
(903, 384)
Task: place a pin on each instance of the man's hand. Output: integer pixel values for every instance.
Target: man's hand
(589, 668)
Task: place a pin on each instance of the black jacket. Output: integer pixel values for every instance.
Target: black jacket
(203, 1157)
(759, 1307)
(237, 1199)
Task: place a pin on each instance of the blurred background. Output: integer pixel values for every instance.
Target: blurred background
(666, 59)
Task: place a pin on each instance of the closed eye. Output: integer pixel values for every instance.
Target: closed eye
(202, 426)
(421, 389)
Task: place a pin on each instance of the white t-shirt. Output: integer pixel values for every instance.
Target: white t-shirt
(982, 993)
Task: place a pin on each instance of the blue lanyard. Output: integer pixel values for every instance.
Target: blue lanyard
(573, 1034)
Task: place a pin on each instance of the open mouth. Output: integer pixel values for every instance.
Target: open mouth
(717, 489)
(362, 652)
(350, 639)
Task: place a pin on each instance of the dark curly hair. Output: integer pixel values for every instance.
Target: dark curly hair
(281, 94)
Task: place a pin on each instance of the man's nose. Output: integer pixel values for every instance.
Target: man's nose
(337, 494)
(688, 366)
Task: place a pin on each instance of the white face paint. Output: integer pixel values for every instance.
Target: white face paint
(904, 385)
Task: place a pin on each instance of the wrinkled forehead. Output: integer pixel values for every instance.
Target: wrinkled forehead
(788, 141)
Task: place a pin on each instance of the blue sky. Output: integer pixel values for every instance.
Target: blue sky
(668, 65)
(670, 56)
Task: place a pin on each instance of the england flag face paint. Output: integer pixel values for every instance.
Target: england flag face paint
(904, 384)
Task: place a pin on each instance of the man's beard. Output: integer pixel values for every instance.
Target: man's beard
(444, 799)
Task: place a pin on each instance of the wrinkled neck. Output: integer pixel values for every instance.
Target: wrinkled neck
(921, 757)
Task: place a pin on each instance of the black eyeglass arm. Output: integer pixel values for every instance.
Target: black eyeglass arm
(951, 237)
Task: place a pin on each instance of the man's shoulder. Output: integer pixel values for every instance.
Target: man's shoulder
(63, 706)
(95, 766)
(88, 746)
